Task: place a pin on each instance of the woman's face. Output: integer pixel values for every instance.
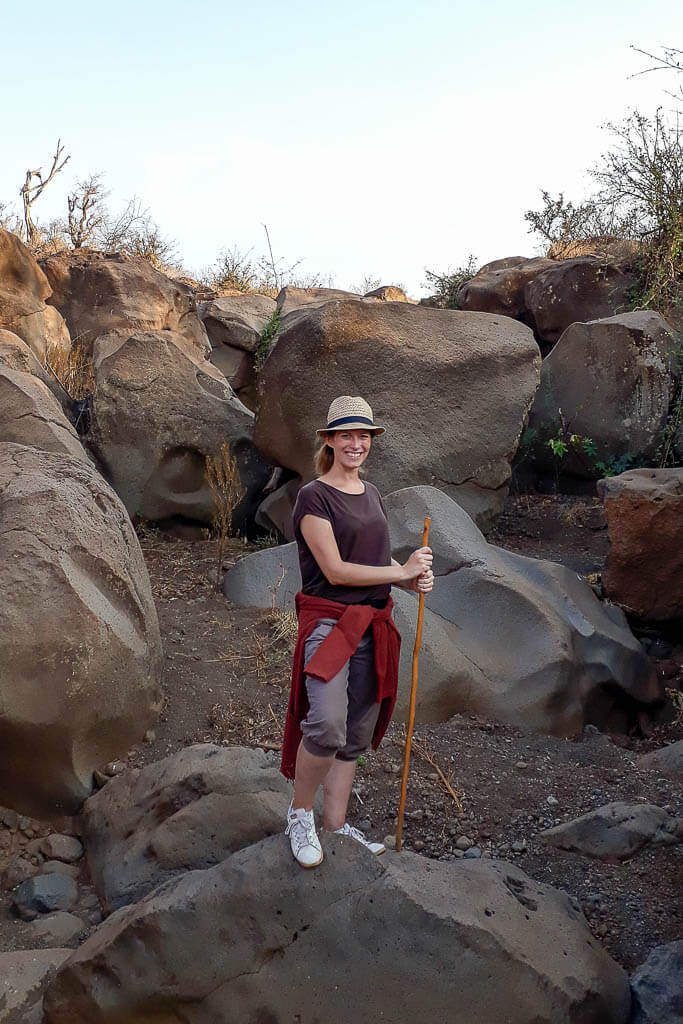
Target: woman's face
(350, 447)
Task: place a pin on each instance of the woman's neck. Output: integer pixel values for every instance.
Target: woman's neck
(344, 480)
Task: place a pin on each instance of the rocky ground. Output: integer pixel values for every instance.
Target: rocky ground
(477, 788)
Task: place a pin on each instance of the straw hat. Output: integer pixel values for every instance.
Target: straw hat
(348, 413)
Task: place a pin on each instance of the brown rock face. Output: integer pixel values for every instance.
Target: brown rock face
(451, 388)
(16, 355)
(23, 291)
(79, 638)
(499, 288)
(614, 381)
(159, 410)
(388, 293)
(645, 522)
(31, 415)
(97, 293)
(574, 291)
(289, 298)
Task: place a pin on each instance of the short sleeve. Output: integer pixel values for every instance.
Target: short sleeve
(310, 501)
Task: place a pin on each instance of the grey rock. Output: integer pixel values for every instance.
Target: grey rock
(24, 975)
(190, 810)
(666, 760)
(44, 893)
(275, 511)
(59, 929)
(17, 871)
(255, 937)
(59, 867)
(463, 843)
(61, 847)
(236, 321)
(473, 853)
(657, 987)
(615, 831)
(30, 414)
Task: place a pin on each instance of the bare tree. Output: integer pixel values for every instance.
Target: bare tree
(670, 59)
(30, 192)
(87, 212)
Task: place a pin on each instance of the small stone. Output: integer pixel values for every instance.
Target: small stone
(51, 867)
(418, 845)
(18, 871)
(473, 853)
(43, 893)
(463, 843)
(61, 847)
(521, 765)
(390, 842)
(150, 736)
(114, 768)
(95, 917)
(458, 853)
(24, 823)
(552, 801)
(518, 846)
(9, 818)
(56, 929)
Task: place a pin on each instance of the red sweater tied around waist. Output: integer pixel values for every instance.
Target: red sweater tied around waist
(332, 655)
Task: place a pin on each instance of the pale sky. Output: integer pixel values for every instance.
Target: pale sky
(372, 138)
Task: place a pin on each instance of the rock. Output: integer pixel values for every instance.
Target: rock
(499, 288)
(290, 299)
(24, 976)
(17, 871)
(58, 929)
(472, 853)
(388, 293)
(667, 760)
(44, 893)
(577, 290)
(23, 291)
(256, 938)
(100, 292)
(616, 831)
(31, 415)
(236, 321)
(79, 638)
(159, 411)
(60, 847)
(644, 572)
(275, 511)
(58, 866)
(573, 656)
(487, 368)
(16, 355)
(463, 843)
(614, 381)
(657, 987)
(188, 811)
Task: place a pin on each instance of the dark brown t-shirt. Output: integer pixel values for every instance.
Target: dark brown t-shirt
(359, 522)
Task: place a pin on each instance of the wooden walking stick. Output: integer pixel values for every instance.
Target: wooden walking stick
(413, 699)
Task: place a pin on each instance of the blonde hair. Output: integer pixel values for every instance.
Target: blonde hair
(323, 458)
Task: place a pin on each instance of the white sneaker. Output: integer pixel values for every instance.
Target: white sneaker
(303, 838)
(355, 833)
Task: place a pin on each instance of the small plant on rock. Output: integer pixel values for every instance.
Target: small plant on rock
(226, 488)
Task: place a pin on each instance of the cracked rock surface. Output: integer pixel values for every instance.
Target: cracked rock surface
(258, 938)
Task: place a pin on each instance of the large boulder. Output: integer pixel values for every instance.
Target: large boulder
(452, 389)
(578, 290)
(159, 411)
(235, 324)
(16, 355)
(290, 298)
(190, 810)
(499, 288)
(612, 381)
(79, 638)
(24, 976)
(511, 638)
(257, 939)
(657, 987)
(616, 831)
(23, 291)
(31, 415)
(644, 572)
(666, 761)
(388, 293)
(97, 292)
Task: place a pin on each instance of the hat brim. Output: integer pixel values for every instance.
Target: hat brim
(350, 426)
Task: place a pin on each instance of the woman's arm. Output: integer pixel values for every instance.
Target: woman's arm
(320, 538)
(421, 584)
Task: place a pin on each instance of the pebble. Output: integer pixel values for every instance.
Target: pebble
(390, 842)
(473, 853)
(521, 765)
(18, 871)
(59, 867)
(418, 845)
(463, 843)
(150, 736)
(552, 801)
(61, 847)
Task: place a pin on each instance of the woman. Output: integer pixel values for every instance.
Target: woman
(345, 669)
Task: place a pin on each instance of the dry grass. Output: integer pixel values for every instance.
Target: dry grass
(226, 488)
(73, 368)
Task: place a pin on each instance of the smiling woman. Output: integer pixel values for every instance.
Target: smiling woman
(345, 668)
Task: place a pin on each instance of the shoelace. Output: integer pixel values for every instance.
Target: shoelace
(301, 831)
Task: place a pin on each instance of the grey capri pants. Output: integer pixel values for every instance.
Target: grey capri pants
(343, 711)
